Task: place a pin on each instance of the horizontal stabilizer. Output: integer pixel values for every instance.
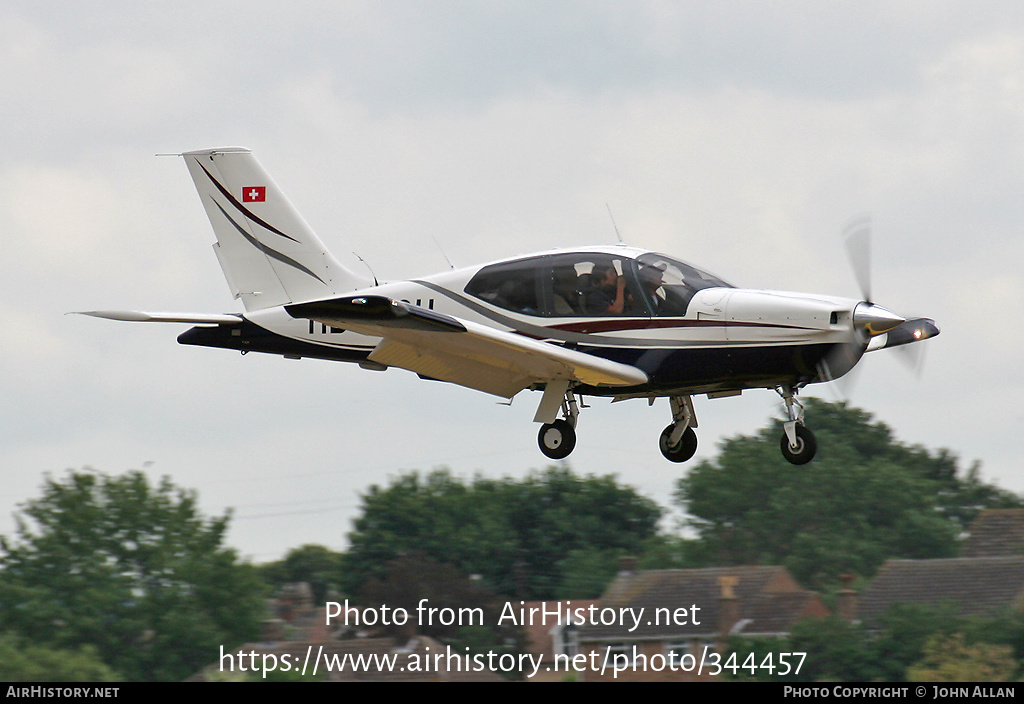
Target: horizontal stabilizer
(476, 356)
(137, 316)
(381, 310)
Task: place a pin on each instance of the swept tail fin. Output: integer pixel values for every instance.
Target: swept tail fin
(269, 255)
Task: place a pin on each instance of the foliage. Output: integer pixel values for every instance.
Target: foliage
(412, 577)
(457, 610)
(1004, 628)
(951, 659)
(903, 632)
(911, 642)
(516, 534)
(586, 572)
(865, 499)
(318, 566)
(24, 662)
(835, 651)
(132, 570)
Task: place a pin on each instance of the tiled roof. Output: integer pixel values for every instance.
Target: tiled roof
(996, 532)
(770, 601)
(973, 586)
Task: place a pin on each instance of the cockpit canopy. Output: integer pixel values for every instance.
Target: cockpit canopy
(582, 284)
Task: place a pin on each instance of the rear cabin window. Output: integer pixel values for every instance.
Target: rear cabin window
(558, 286)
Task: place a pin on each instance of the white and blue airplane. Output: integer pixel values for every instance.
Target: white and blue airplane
(610, 321)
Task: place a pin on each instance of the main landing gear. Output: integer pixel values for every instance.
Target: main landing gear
(678, 442)
(557, 437)
(798, 444)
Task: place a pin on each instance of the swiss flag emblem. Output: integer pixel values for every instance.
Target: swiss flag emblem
(254, 194)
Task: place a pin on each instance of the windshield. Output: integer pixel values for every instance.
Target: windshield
(669, 284)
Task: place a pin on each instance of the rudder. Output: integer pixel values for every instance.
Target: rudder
(268, 253)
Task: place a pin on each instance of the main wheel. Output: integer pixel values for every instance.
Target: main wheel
(557, 439)
(681, 451)
(805, 448)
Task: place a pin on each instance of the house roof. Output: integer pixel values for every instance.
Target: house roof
(769, 601)
(996, 532)
(973, 586)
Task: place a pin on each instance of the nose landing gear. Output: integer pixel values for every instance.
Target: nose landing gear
(798, 444)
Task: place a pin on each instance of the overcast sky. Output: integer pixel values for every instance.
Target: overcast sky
(739, 136)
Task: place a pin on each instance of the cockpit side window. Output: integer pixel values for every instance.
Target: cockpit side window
(669, 285)
(513, 286)
(561, 286)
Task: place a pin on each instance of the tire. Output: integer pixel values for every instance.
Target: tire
(557, 439)
(806, 447)
(683, 450)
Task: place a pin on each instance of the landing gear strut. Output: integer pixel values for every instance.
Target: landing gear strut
(678, 442)
(557, 438)
(798, 444)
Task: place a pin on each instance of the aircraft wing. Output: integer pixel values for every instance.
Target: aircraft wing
(462, 352)
(138, 316)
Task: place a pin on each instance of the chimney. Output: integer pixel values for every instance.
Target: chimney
(847, 599)
(728, 608)
(627, 564)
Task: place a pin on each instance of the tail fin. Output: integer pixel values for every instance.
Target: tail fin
(269, 254)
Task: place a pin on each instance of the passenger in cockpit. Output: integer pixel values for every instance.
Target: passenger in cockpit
(608, 297)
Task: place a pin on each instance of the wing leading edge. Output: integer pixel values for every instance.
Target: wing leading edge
(462, 352)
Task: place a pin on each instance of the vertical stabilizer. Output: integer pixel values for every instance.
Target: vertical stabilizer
(269, 254)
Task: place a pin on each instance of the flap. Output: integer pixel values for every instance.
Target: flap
(477, 356)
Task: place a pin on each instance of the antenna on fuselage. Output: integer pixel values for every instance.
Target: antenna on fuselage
(619, 236)
(450, 265)
(375, 283)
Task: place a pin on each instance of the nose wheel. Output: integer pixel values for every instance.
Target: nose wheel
(802, 451)
(798, 444)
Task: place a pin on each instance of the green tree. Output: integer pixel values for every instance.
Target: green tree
(838, 651)
(458, 610)
(132, 570)
(318, 566)
(951, 659)
(866, 498)
(25, 662)
(516, 534)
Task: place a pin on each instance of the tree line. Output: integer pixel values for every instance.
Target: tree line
(125, 579)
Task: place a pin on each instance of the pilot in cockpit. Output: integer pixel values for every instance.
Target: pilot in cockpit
(652, 277)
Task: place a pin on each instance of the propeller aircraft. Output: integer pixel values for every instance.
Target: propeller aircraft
(606, 321)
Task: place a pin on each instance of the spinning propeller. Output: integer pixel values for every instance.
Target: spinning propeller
(874, 327)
